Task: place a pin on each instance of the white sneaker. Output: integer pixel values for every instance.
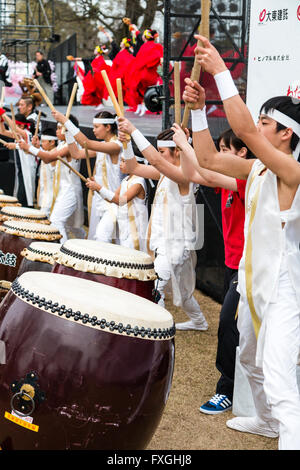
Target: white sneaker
(138, 109)
(190, 325)
(252, 425)
(143, 110)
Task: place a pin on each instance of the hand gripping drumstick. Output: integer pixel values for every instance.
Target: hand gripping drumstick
(177, 95)
(195, 75)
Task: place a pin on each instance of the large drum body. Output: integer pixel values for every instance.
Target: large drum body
(38, 256)
(6, 201)
(23, 214)
(114, 265)
(84, 365)
(14, 237)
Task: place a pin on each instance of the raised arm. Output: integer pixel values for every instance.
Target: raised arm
(47, 157)
(191, 168)
(240, 119)
(153, 156)
(76, 152)
(205, 149)
(134, 191)
(111, 148)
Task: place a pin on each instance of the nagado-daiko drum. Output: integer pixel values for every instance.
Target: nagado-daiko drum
(115, 265)
(38, 256)
(14, 237)
(24, 214)
(85, 365)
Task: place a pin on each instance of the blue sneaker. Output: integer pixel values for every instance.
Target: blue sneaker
(217, 404)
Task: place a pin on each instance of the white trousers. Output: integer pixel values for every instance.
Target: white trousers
(274, 385)
(63, 210)
(189, 303)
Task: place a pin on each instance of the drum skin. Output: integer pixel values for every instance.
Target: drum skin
(141, 288)
(29, 265)
(103, 391)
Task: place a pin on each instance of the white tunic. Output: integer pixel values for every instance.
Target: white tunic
(45, 191)
(28, 167)
(67, 193)
(106, 174)
(171, 233)
(132, 218)
(266, 243)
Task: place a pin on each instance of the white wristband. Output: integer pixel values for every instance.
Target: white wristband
(71, 127)
(225, 85)
(69, 138)
(128, 152)
(106, 193)
(199, 121)
(141, 141)
(33, 150)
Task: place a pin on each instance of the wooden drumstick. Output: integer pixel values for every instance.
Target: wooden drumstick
(8, 122)
(88, 162)
(177, 95)
(38, 124)
(195, 75)
(121, 103)
(2, 96)
(111, 93)
(70, 104)
(3, 142)
(43, 93)
(74, 171)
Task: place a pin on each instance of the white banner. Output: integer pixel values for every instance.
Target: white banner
(274, 52)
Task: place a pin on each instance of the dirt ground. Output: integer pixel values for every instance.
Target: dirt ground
(183, 426)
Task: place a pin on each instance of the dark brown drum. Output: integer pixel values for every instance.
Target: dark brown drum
(84, 365)
(38, 256)
(110, 264)
(14, 237)
(23, 214)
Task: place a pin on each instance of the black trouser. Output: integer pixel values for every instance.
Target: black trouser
(228, 335)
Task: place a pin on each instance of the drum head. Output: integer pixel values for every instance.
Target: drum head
(31, 230)
(8, 200)
(23, 214)
(106, 258)
(41, 251)
(94, 305)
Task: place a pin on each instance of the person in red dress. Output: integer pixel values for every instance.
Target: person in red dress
(94, 87)
(142, 72)
(120, 65)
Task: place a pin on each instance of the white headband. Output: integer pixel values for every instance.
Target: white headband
(288, 122)
(48, 137)
(104, 121)
(166, 143)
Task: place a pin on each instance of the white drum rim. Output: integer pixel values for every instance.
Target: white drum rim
(107, 259)
(139, 318)
(41, 251)
(23, 214)
(30, 230)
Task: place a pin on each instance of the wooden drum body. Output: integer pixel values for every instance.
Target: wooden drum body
(85, 365)
(114, 265)
(14, 237)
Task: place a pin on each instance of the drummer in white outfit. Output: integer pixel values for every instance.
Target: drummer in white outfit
(25, 165)
(269, 271)
(172, 225)
(107, 166)
(46, 171)
(67, 205)
(128, 203)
